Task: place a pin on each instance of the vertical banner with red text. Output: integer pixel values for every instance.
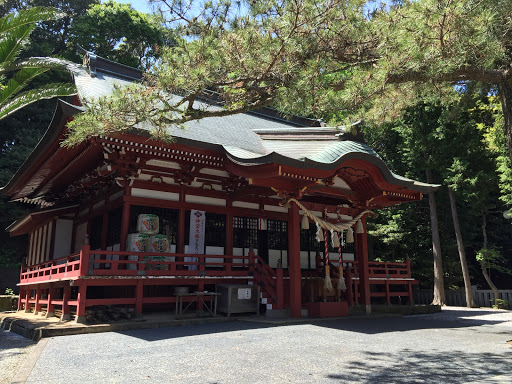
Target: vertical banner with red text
(196, 239)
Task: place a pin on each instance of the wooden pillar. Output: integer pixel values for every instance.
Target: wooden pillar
(20, 300)
(228, 249)
(349, 282)
(180, 247)
(409, 284)
(388, 298)
(139, 296)
(280, 288)
(84, 260)
(181, 231)
(27, 298)
(364, 277)
(65, 306)
(252, 261)
(50, 307)
(200, 288)
(294, 260)
(37, 306)
(125, 224)
(80, 307)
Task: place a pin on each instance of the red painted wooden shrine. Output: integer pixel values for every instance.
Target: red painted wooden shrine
(241, 170)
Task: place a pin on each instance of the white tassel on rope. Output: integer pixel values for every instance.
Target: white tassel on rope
(335, 241)
(341, 281)
(359, 227)
(304, 224)
(350, 235)
(319, 233)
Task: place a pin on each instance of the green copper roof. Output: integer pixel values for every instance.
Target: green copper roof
(256, 138)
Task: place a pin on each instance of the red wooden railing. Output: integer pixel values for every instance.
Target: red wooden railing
(52, 270)
(270, 281)
(147, 264)
(96, 263)
(118, 263)
(389, 270)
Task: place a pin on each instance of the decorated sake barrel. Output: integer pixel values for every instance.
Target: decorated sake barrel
(148, 224)
(137, 242)
(158, 243)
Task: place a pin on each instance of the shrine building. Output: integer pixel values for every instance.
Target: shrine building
(252, 199)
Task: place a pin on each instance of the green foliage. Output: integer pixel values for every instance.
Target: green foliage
(103, 116)
(329, 59)
(500, 304)
(21, 131)
(490, 258)
(9, 291)
(52, 37)
(15, 29)
(120, 33)
(495, 142)
(266, 55)
(450, 140)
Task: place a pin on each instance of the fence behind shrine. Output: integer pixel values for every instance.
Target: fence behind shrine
(483, 297)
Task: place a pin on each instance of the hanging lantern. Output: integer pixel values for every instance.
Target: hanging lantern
(359, 227)
(319, 233)
(304, 224)
(350, 236)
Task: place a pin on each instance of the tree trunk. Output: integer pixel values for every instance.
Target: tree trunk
(493, 287)
(505, 91)
(484, 271)
(439, 297)
(470, 301)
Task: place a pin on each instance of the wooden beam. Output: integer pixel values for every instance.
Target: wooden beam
(294, 261)
(362, 258)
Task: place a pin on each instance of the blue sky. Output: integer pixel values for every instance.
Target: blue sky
(143, 5)
(139, 5)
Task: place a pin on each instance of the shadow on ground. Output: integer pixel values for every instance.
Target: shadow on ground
(192, 330)
(398, 324)
(433, 367)
(366, 325)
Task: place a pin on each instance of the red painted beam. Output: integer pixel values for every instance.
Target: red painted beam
(294, 260)
(362, 258)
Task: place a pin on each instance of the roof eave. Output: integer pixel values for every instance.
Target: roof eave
(308, 163)
(63, 111)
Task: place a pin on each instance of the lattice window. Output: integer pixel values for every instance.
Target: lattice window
(277, 234)
(349, 248)
(215, 229)
(168, 219)
(245, 232)
(308, 241)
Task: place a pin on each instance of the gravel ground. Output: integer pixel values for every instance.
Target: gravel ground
(456, 346)
(13, 351)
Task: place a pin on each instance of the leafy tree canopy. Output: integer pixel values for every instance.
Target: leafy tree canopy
(15, 75)
(120, 33)
(322, 58)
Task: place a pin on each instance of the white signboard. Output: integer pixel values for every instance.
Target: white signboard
(244, 293)
(196, 237)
